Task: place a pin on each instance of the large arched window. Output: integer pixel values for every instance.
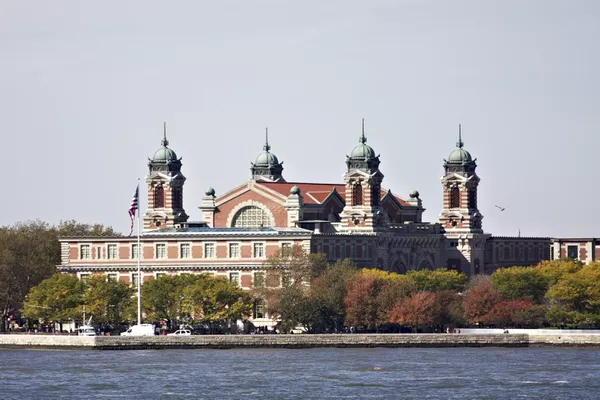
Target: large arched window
(159, 197)
(454, 197)
(251, 217)
(357, 195)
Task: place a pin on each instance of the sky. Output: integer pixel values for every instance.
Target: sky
(85, 88)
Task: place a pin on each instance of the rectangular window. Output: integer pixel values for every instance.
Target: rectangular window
(259, 250)
(161, 250)
(185, 250)
(84, 276)
(209, 250)
(112, 277)
(286, 278)
(234, 250)
(159, 274)
(85, 252)
(572, 252)
(134, 251)
(259, 309)
(286, 249)
(98, 253)
(134, 278)
(234, 277)
(259, 279)
(111, 251)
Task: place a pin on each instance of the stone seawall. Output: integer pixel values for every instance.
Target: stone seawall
(296, 341)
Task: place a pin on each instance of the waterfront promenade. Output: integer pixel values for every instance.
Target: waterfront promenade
(556, 339)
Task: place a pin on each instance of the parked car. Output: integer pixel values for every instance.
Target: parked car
(180, 332)
(139, 330)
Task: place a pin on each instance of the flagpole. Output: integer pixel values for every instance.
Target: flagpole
(139, 271)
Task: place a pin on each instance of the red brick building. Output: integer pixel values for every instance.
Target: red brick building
(356, 218)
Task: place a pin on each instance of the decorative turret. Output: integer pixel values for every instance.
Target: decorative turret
(460, 182)
(208, 207)
(363, 156)
(267, 167)
(165, 188)
(363, 187)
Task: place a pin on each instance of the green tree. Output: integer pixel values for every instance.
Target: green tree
(556, 269)
(578, 291)
(163, 297)
(213, 299)
(109, 301)
(521, 283)
(29, 253)
(56, 299)
(438, 280)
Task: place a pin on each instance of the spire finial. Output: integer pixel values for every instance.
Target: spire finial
(266, 146)
(460, 143)
(165, 142)
(362, 138)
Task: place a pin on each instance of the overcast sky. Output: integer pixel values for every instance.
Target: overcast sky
(85, 88)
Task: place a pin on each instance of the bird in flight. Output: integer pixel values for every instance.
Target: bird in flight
(501, 208)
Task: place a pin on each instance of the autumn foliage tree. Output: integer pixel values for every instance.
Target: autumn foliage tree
(421, 308)
(480, 298)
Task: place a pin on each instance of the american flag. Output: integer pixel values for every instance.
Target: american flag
(133, 207)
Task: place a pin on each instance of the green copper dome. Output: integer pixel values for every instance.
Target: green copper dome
(362, 150)
(266, 158)
(460, 155)
(164, 154)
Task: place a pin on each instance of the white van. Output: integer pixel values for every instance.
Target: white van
(86, 330)
(139, 330)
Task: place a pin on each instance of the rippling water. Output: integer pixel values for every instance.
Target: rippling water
(460, 373)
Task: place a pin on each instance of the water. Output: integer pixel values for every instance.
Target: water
(459, 373)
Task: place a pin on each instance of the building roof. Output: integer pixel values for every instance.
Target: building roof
(316, 193)
(313, 193)
(199, 231)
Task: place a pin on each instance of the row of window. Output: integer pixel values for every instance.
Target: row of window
(185, 250)
(259, 277)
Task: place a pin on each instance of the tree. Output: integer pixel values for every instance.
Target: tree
(521, 283)
(578, 291)
(438, 280)
(556, 269)
(371, 294)
(29, 253)
(162, 298)
(109, 301)
(318, 305)
(480, 299)
(421, 308)
(200, 297)
(212, 299)
(58, 298)
(298, 265)
(503, 313)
